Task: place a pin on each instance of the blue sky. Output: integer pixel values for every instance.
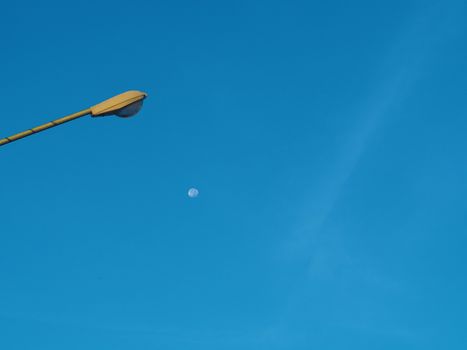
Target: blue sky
(327, 140)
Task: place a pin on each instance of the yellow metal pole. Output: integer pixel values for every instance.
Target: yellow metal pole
(46, 126)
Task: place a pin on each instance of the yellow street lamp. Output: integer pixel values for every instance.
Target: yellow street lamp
(124, 105)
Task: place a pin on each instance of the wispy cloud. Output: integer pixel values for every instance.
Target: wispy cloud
(406, 62)
(322, 249)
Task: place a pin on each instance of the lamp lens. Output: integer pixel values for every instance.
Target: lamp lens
(130, 110)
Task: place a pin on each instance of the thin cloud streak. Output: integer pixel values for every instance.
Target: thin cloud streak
(406, 63)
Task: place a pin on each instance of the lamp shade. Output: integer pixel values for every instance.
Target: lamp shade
(124, 105)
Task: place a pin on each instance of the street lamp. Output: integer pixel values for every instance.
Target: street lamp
(124, 105)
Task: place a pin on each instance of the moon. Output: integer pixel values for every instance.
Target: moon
(193, 192)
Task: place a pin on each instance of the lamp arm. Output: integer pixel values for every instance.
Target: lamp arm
(46, 126)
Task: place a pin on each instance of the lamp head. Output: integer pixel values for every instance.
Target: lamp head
(124, 105)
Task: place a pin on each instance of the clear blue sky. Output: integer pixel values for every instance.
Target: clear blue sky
(327, 140)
